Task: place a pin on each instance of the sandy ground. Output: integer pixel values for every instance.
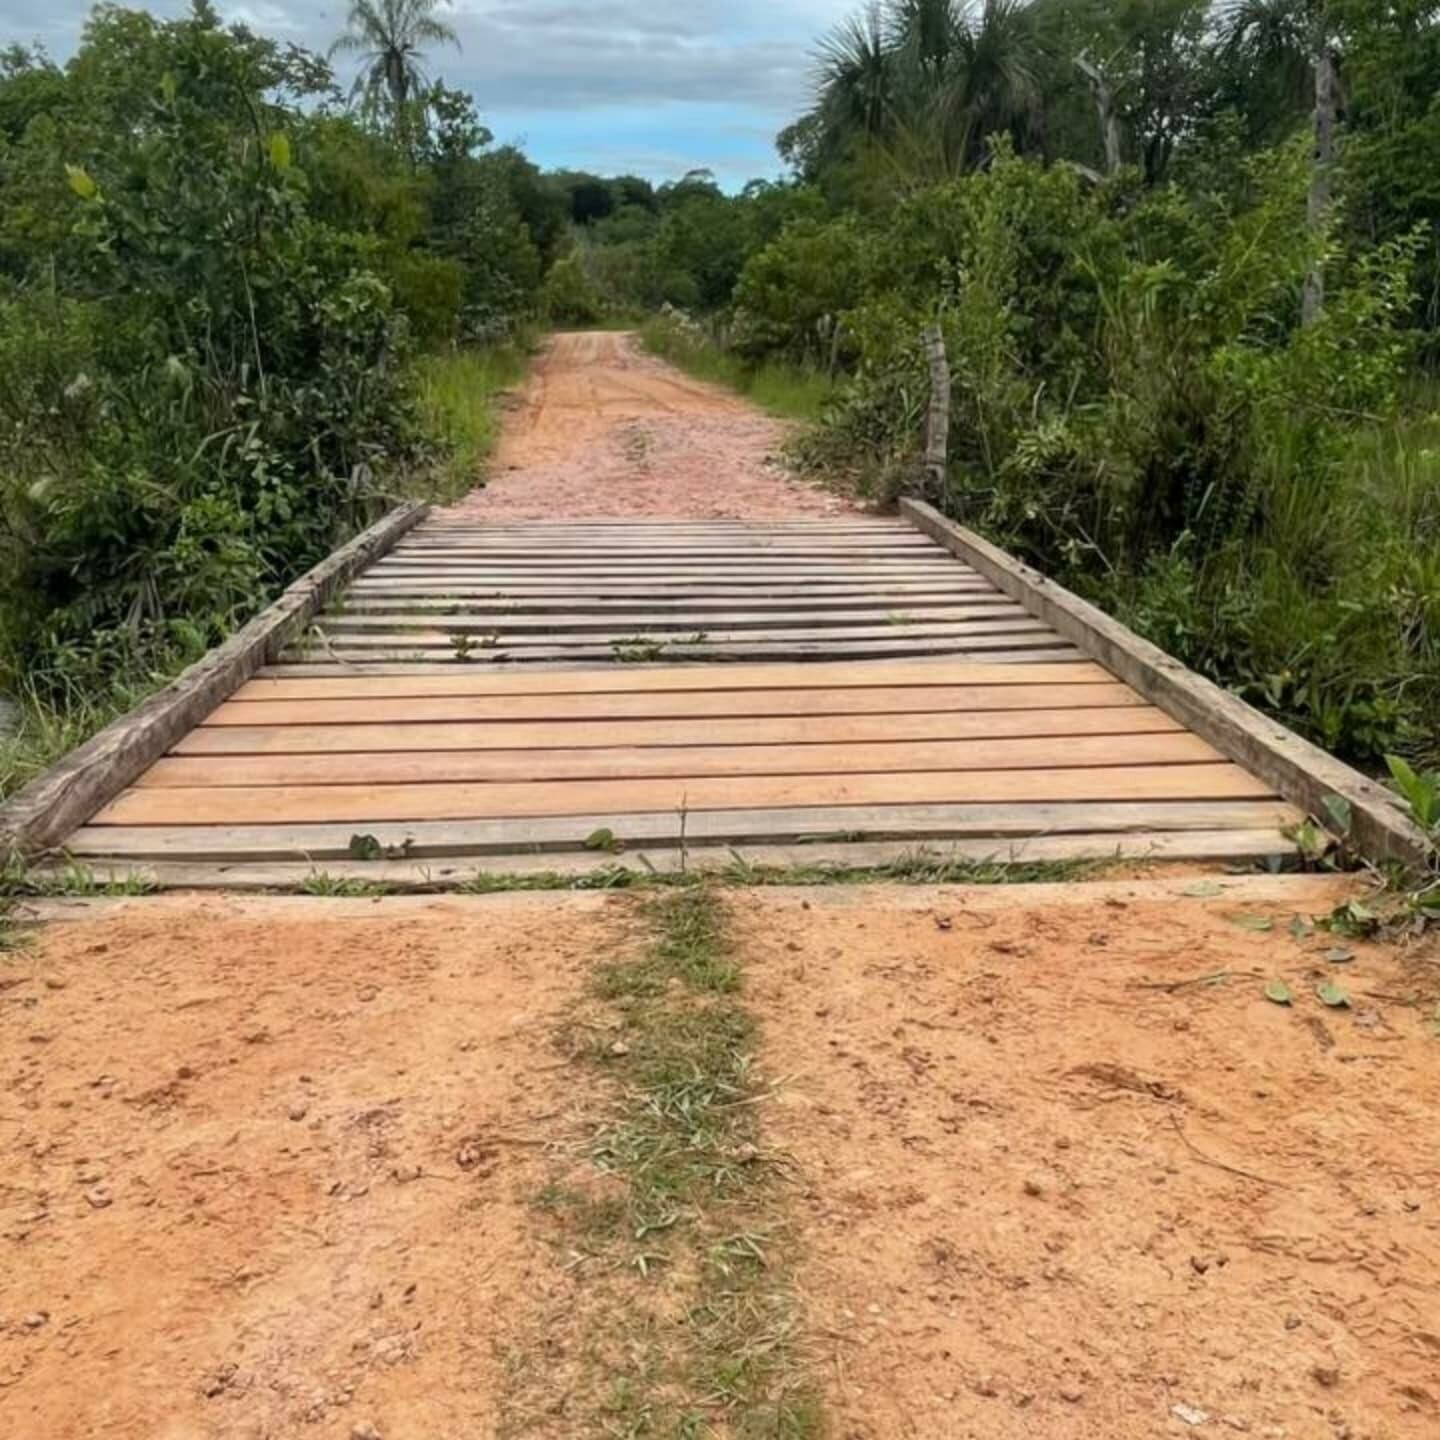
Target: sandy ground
(269, 1164)
(603, 429)
(268, 1167)
(1013, 1150)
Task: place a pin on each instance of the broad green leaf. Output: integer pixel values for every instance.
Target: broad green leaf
(1300, 928)
(81, 183)
(1278, 993)
(1339, 957)
(1339, 809)
(280, 151)
(1332, 995)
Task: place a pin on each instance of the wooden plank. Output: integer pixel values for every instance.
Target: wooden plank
(451, 615)
(1235, 846)
(895, 543)
(1302, 772)
(363, 632)
(548, 663)
(588, 657)
(660, 761)
(633, 680)
(347, 702)
(67, 794)
(645, 620)
(364, 804)
(394, 594)
(370, 738)
(911, 823)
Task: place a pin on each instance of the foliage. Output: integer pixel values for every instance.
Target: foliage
(211, 283)
(790, 391)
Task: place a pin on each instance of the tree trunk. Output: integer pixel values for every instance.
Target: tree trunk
(1105, 107)
(1321, 177)
(937, 422)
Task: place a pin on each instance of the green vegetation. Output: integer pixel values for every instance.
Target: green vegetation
(790, 391)
(709, 1337)
(458, 391)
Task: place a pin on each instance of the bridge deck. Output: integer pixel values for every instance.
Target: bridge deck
(500, 696)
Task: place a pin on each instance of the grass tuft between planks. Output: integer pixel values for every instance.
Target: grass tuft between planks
(675, 1220)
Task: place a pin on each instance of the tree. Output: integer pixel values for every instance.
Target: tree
(927, 81)
(1278, 32)
(389, 36)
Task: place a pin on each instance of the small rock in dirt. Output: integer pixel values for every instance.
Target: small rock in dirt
(1033, 1187)
(185, 1073)
(1410, 1203)
(55, 982)
(1072, 1394)
(364, 1432)
(1293, 1322)
(1189, 1414)
(368, 993)
(298, 1112)
(1236, 1422)
(36, 1320)
(986, 1387)
(1199, 1264)
(404, 1174)
(944, 922)
(747, 1154)
(1326, 1375)
(619, 1048)
(99, 1197)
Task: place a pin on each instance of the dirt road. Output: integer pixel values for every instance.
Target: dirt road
(602, 428)
(1054, 1167)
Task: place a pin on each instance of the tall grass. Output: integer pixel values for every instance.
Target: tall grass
(784, 390)
(459, 396)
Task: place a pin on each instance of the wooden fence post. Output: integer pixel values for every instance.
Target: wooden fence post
(937, 422)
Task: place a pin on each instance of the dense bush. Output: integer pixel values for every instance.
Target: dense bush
(1138, 409)
(211, 283)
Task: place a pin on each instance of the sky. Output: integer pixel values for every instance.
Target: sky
(613, 86)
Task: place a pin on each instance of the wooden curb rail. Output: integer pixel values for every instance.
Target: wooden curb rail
(1303, 773)
(45, 812)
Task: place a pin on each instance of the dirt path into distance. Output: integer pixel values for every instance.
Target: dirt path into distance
(603, 429)
(1052, 1164)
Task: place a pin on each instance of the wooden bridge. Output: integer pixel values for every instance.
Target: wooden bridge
(539, 695)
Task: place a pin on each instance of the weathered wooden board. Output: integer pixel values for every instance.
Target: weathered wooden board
(548, 835)
(653, 761)
(418, 876)
(362, 803)
(344, 701)
(364, 737)
(632, 680)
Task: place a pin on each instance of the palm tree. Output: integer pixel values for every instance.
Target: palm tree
(927, 80)
(389, 36)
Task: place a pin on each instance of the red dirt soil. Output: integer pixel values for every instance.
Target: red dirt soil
(603, 428)
(1012, 1148)
(270, 1164)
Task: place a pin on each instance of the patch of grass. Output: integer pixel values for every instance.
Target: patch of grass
(694, 1213)
(459, 394)
(919, 867)
(341, 887)
(73, 880)
(786, 391)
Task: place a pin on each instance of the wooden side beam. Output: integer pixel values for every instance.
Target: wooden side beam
(46, 811)
(1303, 773)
